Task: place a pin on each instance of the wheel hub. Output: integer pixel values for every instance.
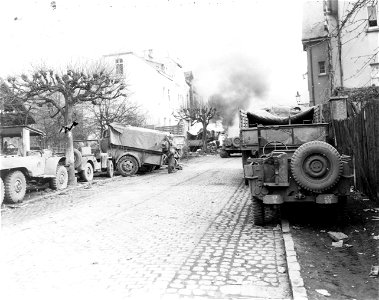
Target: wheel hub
(127, 166)
(316, 166)
(18, 186)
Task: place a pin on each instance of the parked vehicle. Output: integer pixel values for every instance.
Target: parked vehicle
(133, 148)
(23, 160)
(89, 161)
(230, 145)
(291, 163)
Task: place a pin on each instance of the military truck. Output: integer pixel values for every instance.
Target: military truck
(291, 160)
(230, 145)
(133, 148)
(23, 160)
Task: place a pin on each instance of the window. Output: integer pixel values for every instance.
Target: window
(119, 66)
(372, 16)
(321, 67)
(375, 74)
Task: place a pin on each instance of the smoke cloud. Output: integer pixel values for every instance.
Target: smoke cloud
(231, 83)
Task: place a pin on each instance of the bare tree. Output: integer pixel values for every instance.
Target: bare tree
(198, 114)
(62, 91)
(121, 111)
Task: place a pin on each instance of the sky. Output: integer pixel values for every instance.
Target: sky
(211, 38)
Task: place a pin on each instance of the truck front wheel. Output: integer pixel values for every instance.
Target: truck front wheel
(224, 154)
(87, 173)
(61, 179)
(15, 187)
(127, 166)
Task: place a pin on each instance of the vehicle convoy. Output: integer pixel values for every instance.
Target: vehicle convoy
(89, 161)
(291, 162)
(23, 160)
(133, 148)
(230, 145)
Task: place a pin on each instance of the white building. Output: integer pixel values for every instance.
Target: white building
(157, 84)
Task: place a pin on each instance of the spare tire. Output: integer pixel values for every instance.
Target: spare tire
(316, 166)
(77, 158)
(236, 142)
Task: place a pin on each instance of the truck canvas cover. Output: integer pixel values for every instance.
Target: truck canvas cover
(262, 117)
(136, 137)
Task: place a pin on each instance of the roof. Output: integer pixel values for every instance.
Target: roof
(13, 131)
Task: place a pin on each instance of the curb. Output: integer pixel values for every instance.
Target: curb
(296, 282)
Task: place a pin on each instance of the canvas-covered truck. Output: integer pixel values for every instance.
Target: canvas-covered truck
(230, 145)
(23, 160)
(291, 160)
(133, 148)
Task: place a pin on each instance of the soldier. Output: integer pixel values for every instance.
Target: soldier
(169, 150)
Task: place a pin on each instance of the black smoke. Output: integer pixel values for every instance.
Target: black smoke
(240, 83)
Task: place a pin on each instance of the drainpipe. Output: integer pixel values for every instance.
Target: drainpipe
(313, 100)
(339, 45)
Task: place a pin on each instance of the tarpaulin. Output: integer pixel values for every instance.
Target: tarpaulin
(136, 137)
(263, 117)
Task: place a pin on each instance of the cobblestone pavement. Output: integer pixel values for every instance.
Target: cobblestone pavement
(156, 236)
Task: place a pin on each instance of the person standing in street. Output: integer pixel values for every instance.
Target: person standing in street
(169, 149)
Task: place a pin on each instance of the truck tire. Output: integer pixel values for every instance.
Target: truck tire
(127, 165)
(236, 142)
(110, 168)
(258, 213)
(61, 179)
(77, 158)
(224, 154)
(1, 190)
(15, 187)
(316, 166)
(87, 173)
(271, 213)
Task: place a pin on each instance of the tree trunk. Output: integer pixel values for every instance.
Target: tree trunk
(69, 144)
(205, 137)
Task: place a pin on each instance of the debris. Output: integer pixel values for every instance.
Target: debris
(282, 269)
(336, 236)
(365, 199)
(323, 292)
(296, 227)
(374, 271)
(376, 237)
(338, 244)
(277, 227)
(322, 230)
(348, 245)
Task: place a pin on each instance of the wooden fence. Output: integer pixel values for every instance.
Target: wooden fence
(358, 136)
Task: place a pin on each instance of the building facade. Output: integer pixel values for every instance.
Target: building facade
(341, 39)
(156, 84)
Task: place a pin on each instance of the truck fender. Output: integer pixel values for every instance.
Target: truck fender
(52, 164)
(130, 154)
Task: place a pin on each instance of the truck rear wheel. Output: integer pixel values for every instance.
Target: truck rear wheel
(127, 165)
(110, 168)
(316, 166)
(87, 173)
(61, 179)
(77, 158)
(258, 213)
(15, 187)
(2, 190)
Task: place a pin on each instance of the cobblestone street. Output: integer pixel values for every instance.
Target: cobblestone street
(154, 236)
